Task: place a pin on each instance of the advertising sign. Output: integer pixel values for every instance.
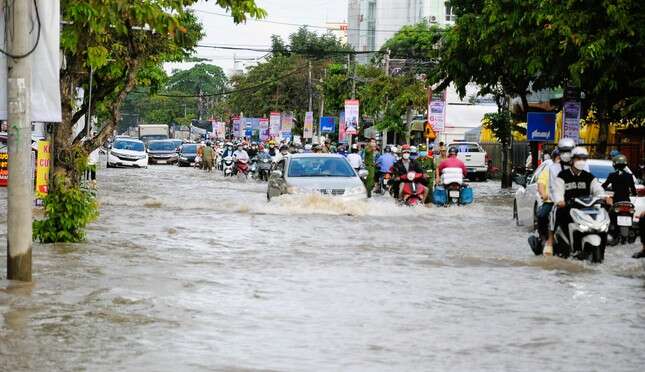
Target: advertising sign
(237, 127)
(327, 124)
(352, 118)
(274, 124)
(4, 167)
(42, 168)
(341, 128)
(287, 125)
(437, 111)
(571, 120)
(248, 127)
(264, 129)
(308, 130)
(540, 126)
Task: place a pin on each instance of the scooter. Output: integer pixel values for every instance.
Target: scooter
(227, 166)
(452, 180)
(413, 190)
(242, 169)
(623, 232)
(587, 235)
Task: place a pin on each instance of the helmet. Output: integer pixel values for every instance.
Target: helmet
(555, 153)
(413, 149)
(423, 147)
(614, 153)
(308, 146)
(208, 143)
(284, 148)
(566, 145)
(453, 151)
(388, 149)
(620, 159)
(405, 148)
(579, 152)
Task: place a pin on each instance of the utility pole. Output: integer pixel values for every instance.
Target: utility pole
(387, 73)
(311, 98)
(322, 104)
(353, 97)
(20, 188)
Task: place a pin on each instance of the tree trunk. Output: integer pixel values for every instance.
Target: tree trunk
(408, 124)
(603, 136)
(505, 171)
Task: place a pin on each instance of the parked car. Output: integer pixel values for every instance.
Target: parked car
(326, 174)
(527, 199)
(162, 152)
(127, 152)
(474, 157)
(187, 154)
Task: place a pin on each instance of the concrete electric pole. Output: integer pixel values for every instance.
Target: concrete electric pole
(20, 188)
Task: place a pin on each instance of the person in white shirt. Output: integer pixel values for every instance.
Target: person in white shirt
(355, 159)
(240, 154)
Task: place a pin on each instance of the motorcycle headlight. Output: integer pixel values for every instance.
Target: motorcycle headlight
(583, 228)
(411, 176)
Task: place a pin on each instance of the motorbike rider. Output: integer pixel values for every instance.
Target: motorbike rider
(544, 211)
(621, 183)
(565, 146)
(402, 167)
(384, 163)
(354, 158)
(240, 155)
(272, 149)
(428, 164)
(253, 150)
(572, 183)
(451, 162)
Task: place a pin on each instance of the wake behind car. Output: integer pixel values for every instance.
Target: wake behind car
(127, 152)
(162, 152)
(326, 174)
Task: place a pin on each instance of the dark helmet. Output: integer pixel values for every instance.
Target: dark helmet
(619, 161)
(208, 143)
(388, 148)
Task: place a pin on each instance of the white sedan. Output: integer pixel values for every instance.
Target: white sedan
(527, 199)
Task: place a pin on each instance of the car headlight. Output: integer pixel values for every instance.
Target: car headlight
(143, 156)
(355, 190)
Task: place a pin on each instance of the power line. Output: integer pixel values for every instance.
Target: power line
(301, 24)
(19, 56)
(293, 51)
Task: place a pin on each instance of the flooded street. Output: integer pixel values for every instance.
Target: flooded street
(187, 271)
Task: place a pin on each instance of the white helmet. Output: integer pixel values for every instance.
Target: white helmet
(413, 149)
(566, 145)
(579, 152)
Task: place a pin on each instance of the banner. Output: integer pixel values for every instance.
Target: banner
(264, 129)
(540, 126)
(248, 127)
(4, 166)
(45, 78)
(286, 127)
(274, 123)
(308, 129)
(341, 127)
(352, 118)
(42, 168)
(237, 127)
(327, 124)
(437, 111)
(571, 120)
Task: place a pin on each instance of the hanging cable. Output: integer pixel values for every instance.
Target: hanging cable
(20, 56)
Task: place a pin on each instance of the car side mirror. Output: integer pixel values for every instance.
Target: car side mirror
(363, 173)
(519, 179)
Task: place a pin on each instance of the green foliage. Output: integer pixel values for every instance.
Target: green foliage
(68, 209)
(500, 124)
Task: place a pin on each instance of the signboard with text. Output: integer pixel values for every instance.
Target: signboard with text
(4, 166)
(341, 128)
(540, 126)
(352, 116)
(286, 126)
(274, 124)
(237, 127)
(43, 163)
(571, 120)
(327, 124)
(308, 129)
(264, 129)
(437, 111)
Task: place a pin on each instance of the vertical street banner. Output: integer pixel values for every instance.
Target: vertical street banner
(571, 120)
(327, 125)
(237, 127)
(274, 124)
(308, 129)
(437, 111)
(43, 162)
(264, 129)
(248, 128)
(341, 127)
(221, 133)
(4, 166)
(286, 127)
(45, 78)
(352, 118)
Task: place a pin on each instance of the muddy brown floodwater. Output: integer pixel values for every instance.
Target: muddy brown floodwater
(186, 271)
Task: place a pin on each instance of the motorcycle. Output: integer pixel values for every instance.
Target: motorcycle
(242, 169)
(623, 232)
(452, 180)
(384, 184)
(413, 190)
(227, 166)
(587, 235)
(263, 169)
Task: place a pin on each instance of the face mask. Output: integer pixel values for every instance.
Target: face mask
(423, 154)
(580, 164)
(406, 156)
(565, 157)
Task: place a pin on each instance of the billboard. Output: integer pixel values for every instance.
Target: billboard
(341, 127)
(352, 118)
(308, 129)
(540, 126)
(264, 129)
(571, 120)
(274, 124)
(43, 163)
(327, 124)
(437, 111)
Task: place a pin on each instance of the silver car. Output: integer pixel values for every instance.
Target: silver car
(326, 174)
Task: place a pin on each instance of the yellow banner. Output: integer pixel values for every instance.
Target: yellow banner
(43, 163)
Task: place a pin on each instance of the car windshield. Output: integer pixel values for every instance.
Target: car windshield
(128, 145)
(601, 171)
(162, 146)
(189, 149)
(320, 167)
(466, 147)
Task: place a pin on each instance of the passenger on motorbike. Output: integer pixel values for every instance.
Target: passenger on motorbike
(402, 167)
(384, 163)
(572, 183)
(621, 181)
(451, 162)
(544, 211)
(565, 146)
(355, 159)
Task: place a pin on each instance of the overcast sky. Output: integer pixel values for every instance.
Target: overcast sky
(222, 31)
